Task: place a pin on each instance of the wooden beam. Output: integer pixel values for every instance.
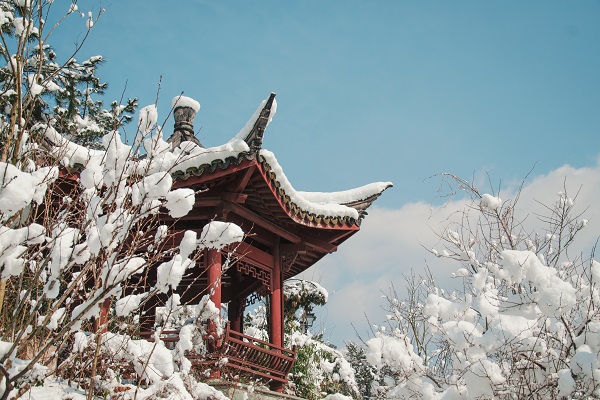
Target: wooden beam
(319, 244)
(343, 235)
(234, 197)
(209, 176)
(247, 252)
(243, 182)
(208, 201)
(300, 248)
(249, 286)
(262, 222)
(276, 303)
(252, 230)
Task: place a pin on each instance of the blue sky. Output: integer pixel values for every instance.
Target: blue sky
(370, 90)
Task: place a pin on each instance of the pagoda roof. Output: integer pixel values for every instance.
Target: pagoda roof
(189, 161)
(245, 181)
(310, 208)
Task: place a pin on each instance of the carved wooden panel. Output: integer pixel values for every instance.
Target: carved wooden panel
(256, 272)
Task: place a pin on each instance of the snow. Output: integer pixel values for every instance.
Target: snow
(326, 205)
(152, 187)
(12, 247)
(243, 133)
(188, 244)
(35, 88)
(148, 116)
(346, 196)
(66, 150)
(4, 348)
(217, 234)
(19, 26)
(128, 304)
(80, 342)
(170, 273)
(302, 288)
(397, 351)
(490, 202)
(566, 383)
(118, 272)
(180, 202)
(554, 296)
(183, 101)
(336, 396)
(56, 318)
(19, 189)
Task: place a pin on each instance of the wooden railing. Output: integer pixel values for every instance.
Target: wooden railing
(257, 357)
(243, 353)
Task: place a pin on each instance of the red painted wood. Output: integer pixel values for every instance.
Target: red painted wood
(102, 324)
(247, 252)
(276, 303)
(214, 285)
(206, 176)
(276, 196)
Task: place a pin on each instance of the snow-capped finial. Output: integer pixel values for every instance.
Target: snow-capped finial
(184, 112)
(254, 130)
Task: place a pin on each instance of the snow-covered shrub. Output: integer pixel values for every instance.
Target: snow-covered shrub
(80, 226)
(319, 369)
(523, 325)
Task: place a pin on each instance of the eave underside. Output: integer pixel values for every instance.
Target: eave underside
(243, 194)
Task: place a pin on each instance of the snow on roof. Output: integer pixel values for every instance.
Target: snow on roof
(191, 159)
(326, 204)
(71, 153)
(245, 131)
(346, 196)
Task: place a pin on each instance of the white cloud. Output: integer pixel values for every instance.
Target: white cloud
(394, 241)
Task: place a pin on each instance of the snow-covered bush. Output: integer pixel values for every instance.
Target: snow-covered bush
(319, 369)
(79, 226)
(525, 322)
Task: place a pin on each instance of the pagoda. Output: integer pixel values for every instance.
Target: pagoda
(286, 233)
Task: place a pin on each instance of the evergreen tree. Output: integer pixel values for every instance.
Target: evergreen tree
(57, 92)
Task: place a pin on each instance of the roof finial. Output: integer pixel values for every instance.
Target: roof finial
(184, 112)
(255, 137)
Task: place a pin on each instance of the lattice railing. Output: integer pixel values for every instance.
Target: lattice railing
(245, 354)
(257, 357)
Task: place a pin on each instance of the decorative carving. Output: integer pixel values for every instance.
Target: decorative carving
(184, 128)
(252, 299)
(255, 137)
(254, 271)
(287, 260)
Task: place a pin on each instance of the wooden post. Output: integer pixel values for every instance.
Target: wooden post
(276, 314)
(235, 311)
(214, 288)
(235, 315)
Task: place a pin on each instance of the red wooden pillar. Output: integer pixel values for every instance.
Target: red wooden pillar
(214, 289)
(235, 315)
(235, 309)
(214, 276)
(276, 302)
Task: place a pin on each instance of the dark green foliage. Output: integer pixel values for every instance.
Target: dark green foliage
(61, 92)
(364, 373)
